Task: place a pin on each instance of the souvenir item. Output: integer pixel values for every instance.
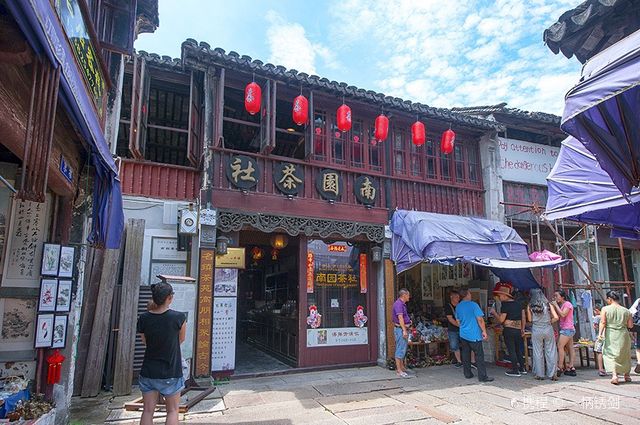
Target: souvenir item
(315, 319)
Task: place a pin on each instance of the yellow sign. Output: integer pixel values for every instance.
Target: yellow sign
(233, 259)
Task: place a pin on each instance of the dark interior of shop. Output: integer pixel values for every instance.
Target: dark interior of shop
(267, 327)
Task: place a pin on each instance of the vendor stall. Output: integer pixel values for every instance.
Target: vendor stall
(434, 253)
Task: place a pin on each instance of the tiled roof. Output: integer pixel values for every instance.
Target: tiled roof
(162, 61)
(194, 53)
(592, 27)
(501, 108)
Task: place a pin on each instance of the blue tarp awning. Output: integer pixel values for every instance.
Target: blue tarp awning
(447, 239)
(601, 111)
(40, 24)
(580, 190)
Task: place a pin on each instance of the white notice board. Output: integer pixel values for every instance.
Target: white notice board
(223, 335)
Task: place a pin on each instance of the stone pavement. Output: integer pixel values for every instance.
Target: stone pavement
(437, 395)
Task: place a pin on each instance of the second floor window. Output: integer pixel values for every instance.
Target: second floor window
(399, 151)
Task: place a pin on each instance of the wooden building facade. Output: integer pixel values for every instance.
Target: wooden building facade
(328, 194)
(58, 60)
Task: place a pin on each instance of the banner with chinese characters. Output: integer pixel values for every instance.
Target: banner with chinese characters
(363, 273)
(335, 265)
(223, 350)
(328, 337)
(205, 298)
(310, 275)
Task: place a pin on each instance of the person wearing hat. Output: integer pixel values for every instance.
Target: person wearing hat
(512, 318)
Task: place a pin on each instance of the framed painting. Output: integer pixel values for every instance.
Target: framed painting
(44, 330)
(59, 332)
(67, 254)
(50, 259)
(63, 300)
(48, 294)
(427, 283)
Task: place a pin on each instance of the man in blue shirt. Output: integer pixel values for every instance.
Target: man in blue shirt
(472, 332)
(401, 323)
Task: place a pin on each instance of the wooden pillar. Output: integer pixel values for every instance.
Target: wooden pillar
(390, 292)
(128, 307)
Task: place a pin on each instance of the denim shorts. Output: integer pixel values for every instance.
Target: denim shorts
(165, 386)
(401, 343)
(454, 340)
(568, 332)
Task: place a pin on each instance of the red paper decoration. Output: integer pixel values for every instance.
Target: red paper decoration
(343, 118)
(54, 367)
(300, 110)
(252, 98)
(381, 128)
(447, 141)
(418, 133)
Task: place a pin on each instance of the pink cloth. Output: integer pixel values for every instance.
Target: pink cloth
(544, 256)
(566, 322)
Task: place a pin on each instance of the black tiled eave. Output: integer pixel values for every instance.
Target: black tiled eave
(194, 53)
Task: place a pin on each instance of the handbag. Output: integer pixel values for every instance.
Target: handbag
(598, 345)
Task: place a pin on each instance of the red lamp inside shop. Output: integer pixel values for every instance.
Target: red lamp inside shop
(381, 128)
(300, 111)
(343, 118)
(418, 133)
(257, 253)
(252, 98)
(447, 141)
(278, 242)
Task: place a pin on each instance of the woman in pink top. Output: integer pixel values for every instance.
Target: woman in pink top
(564, 308)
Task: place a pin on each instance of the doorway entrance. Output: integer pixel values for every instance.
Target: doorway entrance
(268, 321)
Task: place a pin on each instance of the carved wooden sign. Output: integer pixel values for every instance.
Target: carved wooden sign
(288, 177)
(366, 190)
(329, 184)
(242, 171)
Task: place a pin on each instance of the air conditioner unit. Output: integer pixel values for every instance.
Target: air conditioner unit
(188, 222)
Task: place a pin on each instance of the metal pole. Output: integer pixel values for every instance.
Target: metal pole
(625, 275)
(573, 257)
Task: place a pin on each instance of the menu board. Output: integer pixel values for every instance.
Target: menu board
(25, 242)
(223, 350)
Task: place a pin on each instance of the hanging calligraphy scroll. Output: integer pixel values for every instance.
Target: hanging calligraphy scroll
(27, 232)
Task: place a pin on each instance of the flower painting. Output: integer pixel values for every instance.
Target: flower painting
(50, 260)
(63, 302)
(66, 261)
(59, 332)
(48, 295)
(44, 331)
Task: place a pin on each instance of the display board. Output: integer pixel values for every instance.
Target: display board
(328, 337)
(223, 350)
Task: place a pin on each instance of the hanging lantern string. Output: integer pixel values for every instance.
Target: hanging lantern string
(300, 89)
(253, 78)
(449, 126)
(343, 99)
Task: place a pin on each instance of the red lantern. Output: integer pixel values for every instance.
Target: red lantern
(447, 141)
(257, 253)
(418, 133)
(382, 128)
(252, 98)
(300, 110)
(54, 367)
(343, 118)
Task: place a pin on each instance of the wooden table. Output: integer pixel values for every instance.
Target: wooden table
(584, 351)
(497, 331)
(417, 347)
